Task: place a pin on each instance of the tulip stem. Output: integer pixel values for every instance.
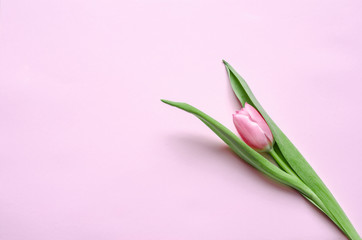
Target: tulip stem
(306, 191)
(281, 162)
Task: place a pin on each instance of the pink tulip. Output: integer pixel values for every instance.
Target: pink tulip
(253, 129)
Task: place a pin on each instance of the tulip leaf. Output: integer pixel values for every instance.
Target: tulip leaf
(251, 156)
(293, 157)
(247, 153)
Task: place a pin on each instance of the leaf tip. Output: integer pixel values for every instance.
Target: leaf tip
(168, 102)
(225, 62)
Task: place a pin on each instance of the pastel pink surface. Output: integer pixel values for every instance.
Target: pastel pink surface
(89, 152)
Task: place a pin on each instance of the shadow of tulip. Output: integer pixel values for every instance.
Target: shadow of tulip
(198, 144)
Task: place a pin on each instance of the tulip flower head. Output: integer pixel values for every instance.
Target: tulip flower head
(253, 129)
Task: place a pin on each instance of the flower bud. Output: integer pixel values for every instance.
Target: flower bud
(253, 129)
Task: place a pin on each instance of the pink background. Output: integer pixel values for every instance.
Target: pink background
(88, 151)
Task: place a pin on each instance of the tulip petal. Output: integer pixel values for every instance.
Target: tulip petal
(256, 117)
(250, 132)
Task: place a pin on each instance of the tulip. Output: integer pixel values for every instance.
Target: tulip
(253, 129)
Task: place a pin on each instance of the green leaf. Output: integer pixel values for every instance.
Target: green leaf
(245, 152)
(291, 154)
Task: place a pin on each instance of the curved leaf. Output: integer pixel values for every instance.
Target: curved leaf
(291, 154)
(245, 152)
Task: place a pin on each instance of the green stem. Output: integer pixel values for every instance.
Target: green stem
(308, 193)
(281, 162)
